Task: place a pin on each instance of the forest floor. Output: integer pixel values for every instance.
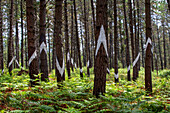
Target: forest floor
(76, 95)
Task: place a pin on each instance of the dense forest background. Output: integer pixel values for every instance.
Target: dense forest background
(96, 51)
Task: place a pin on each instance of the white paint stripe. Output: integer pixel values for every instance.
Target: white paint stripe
(68, 56)
(148, 42)
(102, 39)
(75, 65)
(128, 69)
(61, 70)
(88, 63)
(11, 61)
(137, 58)
(116, 75)
(72, 61)
(34, 55)
(108, 70)
(43, 47)
(17, 62)
(81, 70)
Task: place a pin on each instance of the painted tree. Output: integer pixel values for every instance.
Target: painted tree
(101, 54)
(115, 42)
(42, 41)
(1, 40)
(67, 50)
(77, 39)
(32, 52)
(59, 60)
(148, 77)
(127, 43)
(10, 39)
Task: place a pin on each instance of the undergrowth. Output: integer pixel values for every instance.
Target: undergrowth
(76, 95)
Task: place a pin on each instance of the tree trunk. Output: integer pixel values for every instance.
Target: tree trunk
(32, 52)
(72, 38)
(116, 42)
(86, 38)
(67, 40)
(101, 55)
(77, 38)
(10, 40)
(131, 36)
(22, 35)
(26, 49)
(1, 40)
(160, 52)
(49, 49)
(42, 42)
(127, 43)
(148, 78)
(17, 38)
(59, 67)
(164, 45)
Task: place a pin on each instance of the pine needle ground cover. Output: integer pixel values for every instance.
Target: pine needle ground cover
(76, 95)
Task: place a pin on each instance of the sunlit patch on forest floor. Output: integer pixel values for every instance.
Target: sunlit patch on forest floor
(76, 95)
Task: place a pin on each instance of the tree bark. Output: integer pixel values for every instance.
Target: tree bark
(101, 63)
(10, 40)
(58, 40)
(49, 49)
(164, 45)
(16, 37)
(131, 36)
(148, 78)
(86, 38)
(22, 35)
(160, 52)
(77, 38)
(33, 65)
(115, 42)
(42, 42)
(1, 40)
(67, 51)
(127, 43)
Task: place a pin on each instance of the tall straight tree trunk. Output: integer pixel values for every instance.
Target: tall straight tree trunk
(131, 36)
(94, 25)
(121, 42)
(49, 48)
(32, 52)
(101, 55)
(111, 44)
(164, 45)
(67, 40)
(115, 42)
(137, 40)
(42, 41)
(77, 38)
(1, 41)
(86, 38)
(127, 43)
(10, 39)
(26, 49)
(59, 67)
(135, 69)
(17, 38)
(22, 35)
(72, 40)
(148, 78)
(160, 52)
